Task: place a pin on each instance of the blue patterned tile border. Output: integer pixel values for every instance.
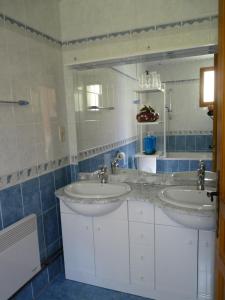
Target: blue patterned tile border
(104, 148)
(4, 19)
(28, 173)
(93, 163)
(133, 32)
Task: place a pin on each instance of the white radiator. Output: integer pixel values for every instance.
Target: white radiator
(19, 255)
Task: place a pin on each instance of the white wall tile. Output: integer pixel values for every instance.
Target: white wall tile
(31, 69)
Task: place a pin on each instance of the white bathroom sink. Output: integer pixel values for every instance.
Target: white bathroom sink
(187, 197)
(190, 207)
(94, 198)
(96, 190)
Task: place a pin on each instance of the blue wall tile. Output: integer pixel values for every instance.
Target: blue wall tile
(171, 143)
(69, 174)
(1, 221)
(171, 165)
(54, 269)
(183, 165)
(25, 293)
(194, 165)
(52, 248)
(94, 163)
(60, 177)
(209, 141)
(31, 196)
(74, 172)
(208, 164)
(47, 187)
(160, 166)
(11, 205)
(50, 226)
(180, 143)
(40, 282)
(190, 143)
(201, 143)
(41, 238)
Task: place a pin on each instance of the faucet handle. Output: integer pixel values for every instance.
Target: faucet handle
(102, 168)
(202, 164)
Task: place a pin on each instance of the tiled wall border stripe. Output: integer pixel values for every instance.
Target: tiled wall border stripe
(188, 132)
(135, 31)
(103, 148)
(6, 20)
(31, 172)
(129, 33)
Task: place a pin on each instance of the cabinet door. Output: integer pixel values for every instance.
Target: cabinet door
(176, 260)
(141, 211)
(142, 265)
(77, 232)
(206, 255)
(111, 249)
(142, 254)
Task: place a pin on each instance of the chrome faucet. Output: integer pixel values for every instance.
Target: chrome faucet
(103, 174)
(201, 175)
(114, 165)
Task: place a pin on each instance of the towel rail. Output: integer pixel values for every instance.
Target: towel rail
(19, 102)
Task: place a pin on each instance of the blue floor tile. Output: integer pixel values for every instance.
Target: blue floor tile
(62, 289)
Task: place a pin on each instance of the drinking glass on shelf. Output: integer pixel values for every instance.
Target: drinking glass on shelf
(158, 81)
(148, 79)
(154, 80)
(141, 81)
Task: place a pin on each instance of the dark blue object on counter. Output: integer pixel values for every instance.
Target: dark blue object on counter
(149, 144)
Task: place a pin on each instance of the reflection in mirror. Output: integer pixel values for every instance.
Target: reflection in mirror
(182, 128)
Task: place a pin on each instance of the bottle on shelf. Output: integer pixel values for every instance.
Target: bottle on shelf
(149, 144)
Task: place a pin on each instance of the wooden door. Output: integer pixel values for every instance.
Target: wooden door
(220, 109)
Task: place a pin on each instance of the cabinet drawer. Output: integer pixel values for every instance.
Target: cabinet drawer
(141, 233)
(142, 265)
(141, 211)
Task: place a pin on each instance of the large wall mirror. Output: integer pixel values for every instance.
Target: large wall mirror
(106, 105)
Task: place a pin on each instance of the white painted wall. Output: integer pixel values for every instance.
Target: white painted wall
(84, 18)
(30, 69)
(106, 126)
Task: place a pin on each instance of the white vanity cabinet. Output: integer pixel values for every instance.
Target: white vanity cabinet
(176, 253)
(137, 249)
(176, 261)
(78, 245)
(112, 246)
(96, 250)
(206, 257)
(141, 236)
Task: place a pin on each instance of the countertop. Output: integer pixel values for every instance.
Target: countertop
(144, 187)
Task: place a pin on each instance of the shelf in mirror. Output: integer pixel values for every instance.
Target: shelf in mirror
(150, 90)
(150, 123)
(156, 154)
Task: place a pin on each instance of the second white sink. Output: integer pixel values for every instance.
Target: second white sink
(187, 197)
(189, 207)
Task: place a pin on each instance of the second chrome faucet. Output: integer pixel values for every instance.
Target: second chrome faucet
(201, 175)
(103, 174)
